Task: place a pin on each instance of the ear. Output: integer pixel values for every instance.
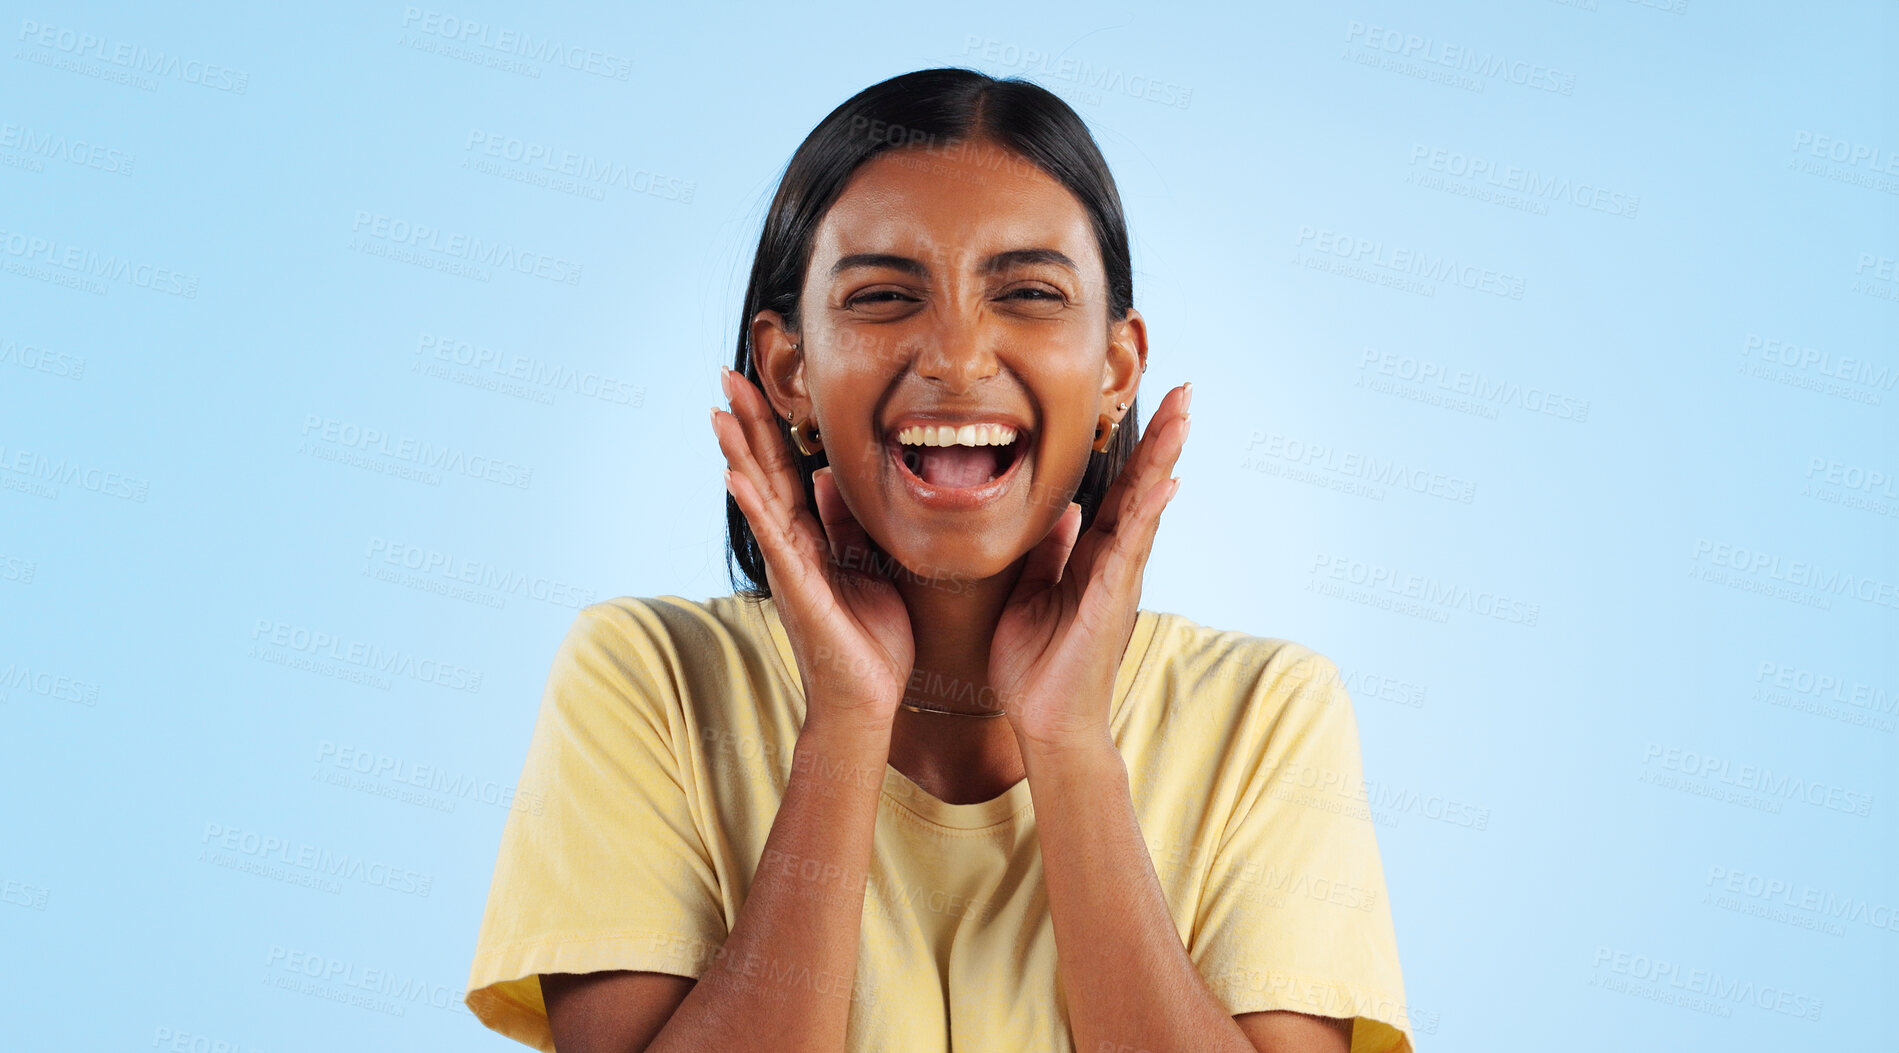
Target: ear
(780, 364)
(1127, 357)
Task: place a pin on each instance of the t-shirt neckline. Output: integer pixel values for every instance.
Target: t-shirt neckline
(902, 793)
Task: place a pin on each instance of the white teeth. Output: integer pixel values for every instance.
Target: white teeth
(967, 435)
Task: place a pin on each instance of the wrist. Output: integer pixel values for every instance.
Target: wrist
(863, 706)
(834, 758)
(852, 728)
(1065, 725)
(1068, 749)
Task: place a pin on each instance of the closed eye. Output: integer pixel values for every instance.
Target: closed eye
(888, 295)
(870, 297)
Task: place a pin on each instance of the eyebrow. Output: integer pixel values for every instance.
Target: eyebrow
(1001, 261)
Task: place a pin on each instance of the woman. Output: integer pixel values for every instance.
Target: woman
(931, 778)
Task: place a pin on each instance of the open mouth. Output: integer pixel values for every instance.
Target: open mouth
(958, 458)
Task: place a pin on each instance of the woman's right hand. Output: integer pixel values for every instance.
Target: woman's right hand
(849, 628)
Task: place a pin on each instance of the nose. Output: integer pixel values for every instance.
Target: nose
(959, 353)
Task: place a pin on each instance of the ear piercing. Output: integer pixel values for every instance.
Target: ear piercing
(1106, 426)
(804, 435)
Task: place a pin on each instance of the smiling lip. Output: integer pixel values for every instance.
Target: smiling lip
(953, 498)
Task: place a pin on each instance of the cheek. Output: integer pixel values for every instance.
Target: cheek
(854, 451)
(845, 399)
(1074, 403)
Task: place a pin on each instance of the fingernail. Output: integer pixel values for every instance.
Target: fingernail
(726, 475)
(715, 418)
(1186, 398)
(725, 381)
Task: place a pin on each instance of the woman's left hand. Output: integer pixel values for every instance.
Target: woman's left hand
(1065, 627)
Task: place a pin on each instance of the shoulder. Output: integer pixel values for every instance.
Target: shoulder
(635, 662)
(1249, 671)
(668, 643)
(670, 626)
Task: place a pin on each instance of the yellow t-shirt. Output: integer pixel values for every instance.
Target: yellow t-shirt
(663, 748)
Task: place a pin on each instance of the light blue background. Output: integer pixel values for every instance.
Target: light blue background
(1740, 328)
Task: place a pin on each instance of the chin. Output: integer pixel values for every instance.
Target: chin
(953, 563)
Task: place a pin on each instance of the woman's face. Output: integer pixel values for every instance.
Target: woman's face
(954, 289)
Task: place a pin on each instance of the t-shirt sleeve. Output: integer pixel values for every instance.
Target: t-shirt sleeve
(601, 865)
(1294, 914)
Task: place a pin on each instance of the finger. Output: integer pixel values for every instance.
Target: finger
(1152, 510)
(782, 505)
(850, 544)
(774, 519)
(777, 476)
(735, 444)
(788, 568)
(1153, 458)
(1160, 451)
(1151, 464)
(1157, 452)
(1118, 578)
(1049, 557)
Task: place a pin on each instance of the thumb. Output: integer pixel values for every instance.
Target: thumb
(850, 545)
(1049, 557)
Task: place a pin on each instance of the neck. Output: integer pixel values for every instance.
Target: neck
(952, 624)
(960, 759)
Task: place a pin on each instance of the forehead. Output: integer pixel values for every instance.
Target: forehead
(955, 206)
